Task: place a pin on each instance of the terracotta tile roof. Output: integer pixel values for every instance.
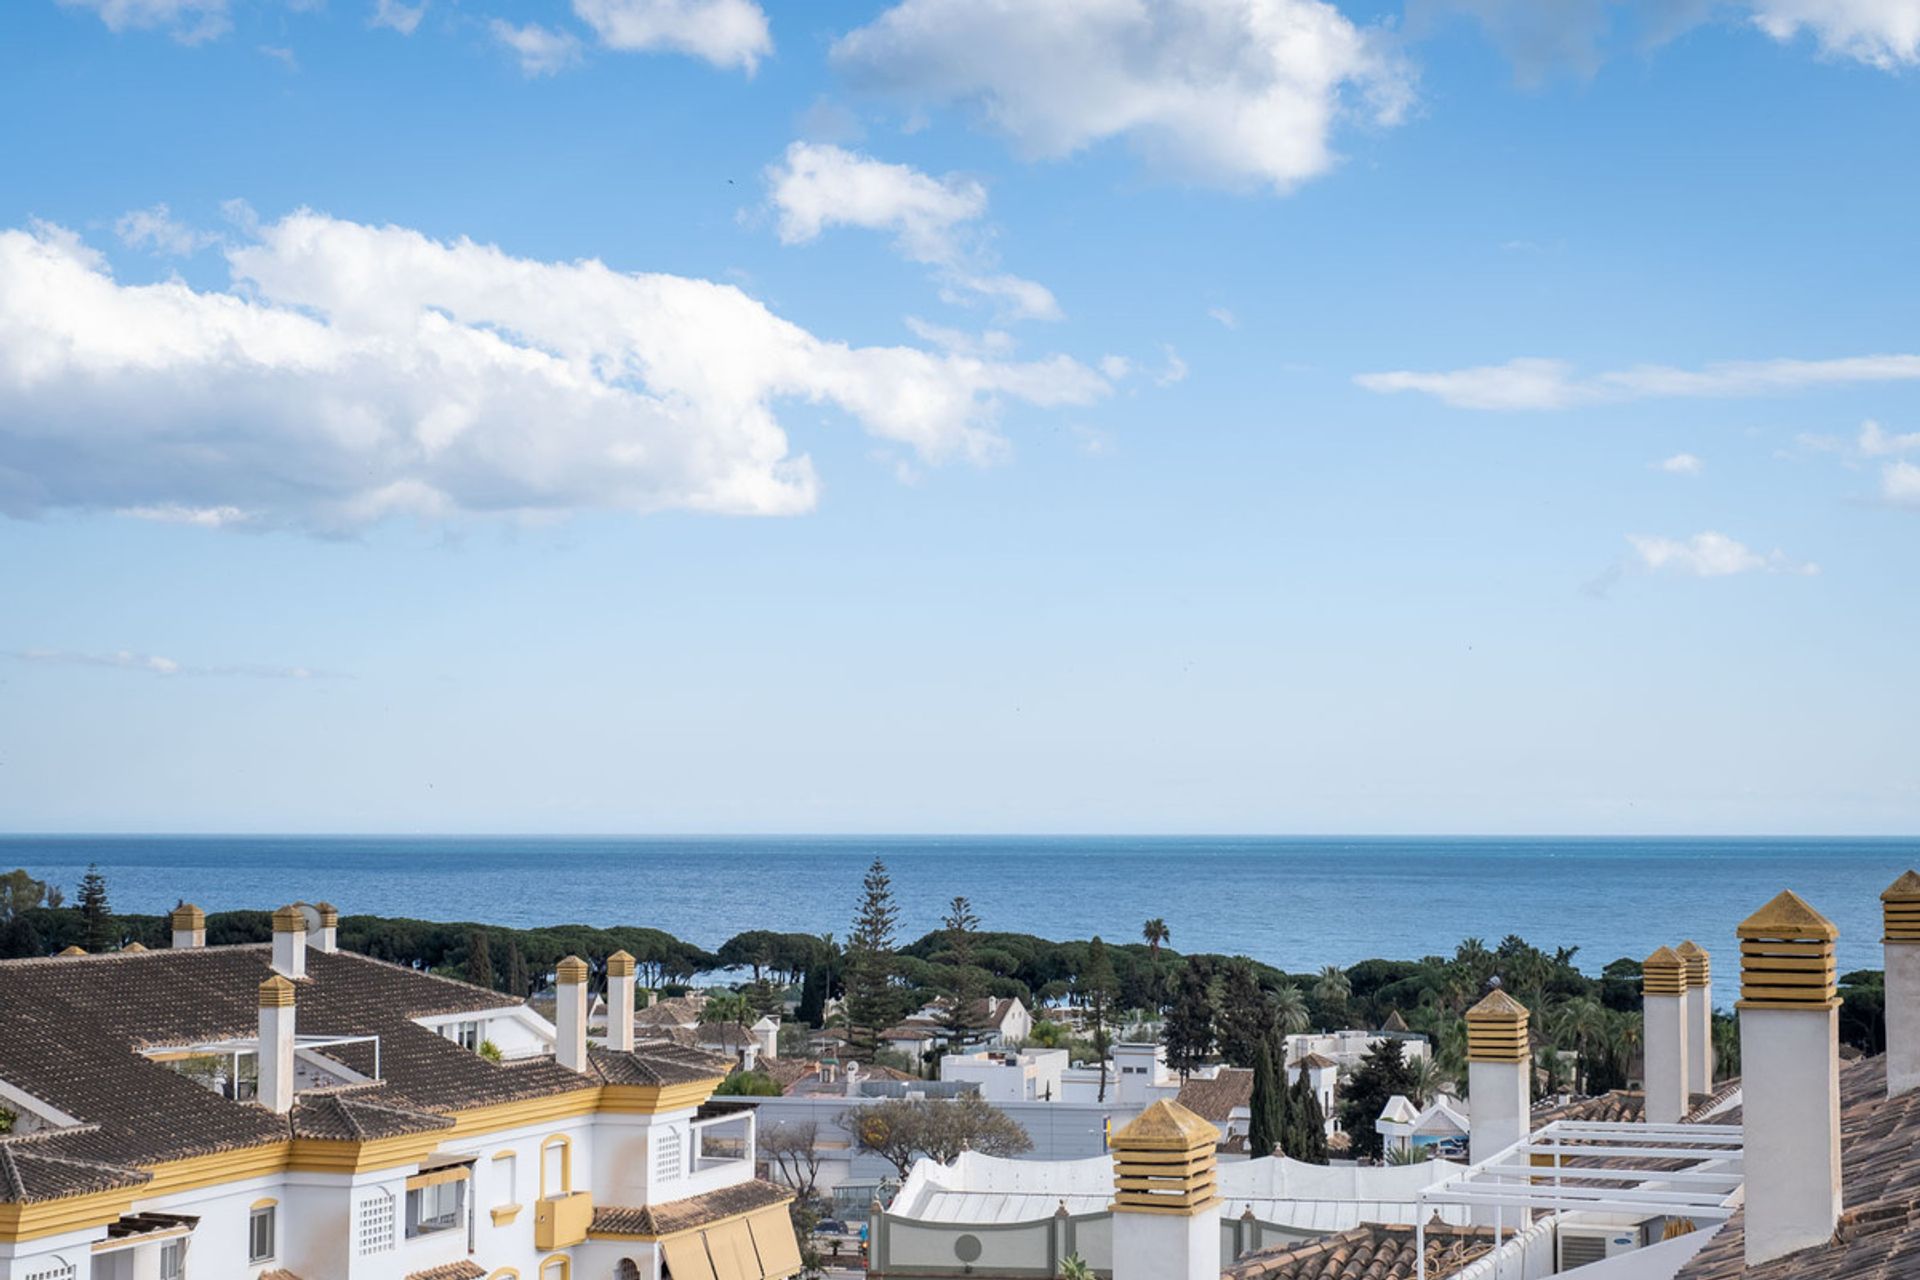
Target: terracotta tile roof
(1879, 1233)
(36, 1168)
(1618, 1106)
(75, 1028)
(656, 1064)
(788, 1072)
(1370, 1251)
(1315, 1061)
(1215, 1099)
(675, 1011)
(462, 1270)
(684, 1215)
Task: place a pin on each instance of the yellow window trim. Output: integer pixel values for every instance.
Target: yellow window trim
(565, 1144)
(437, 1177)
(508, 1154)
(558, 1267)
(262, 1204)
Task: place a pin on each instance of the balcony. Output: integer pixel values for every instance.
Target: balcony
(559, 1222)
(723, 1141)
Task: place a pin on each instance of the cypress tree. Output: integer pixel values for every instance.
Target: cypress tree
(1312, 1122)
(813, 996)
(479, 960)
(517, 980)
(96, 917)
(1263, 1132)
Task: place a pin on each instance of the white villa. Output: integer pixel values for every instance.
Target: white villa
(295, 1112)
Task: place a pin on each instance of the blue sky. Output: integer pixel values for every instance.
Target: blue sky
(1118, 415)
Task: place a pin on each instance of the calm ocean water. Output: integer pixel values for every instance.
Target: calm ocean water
(1294, 902)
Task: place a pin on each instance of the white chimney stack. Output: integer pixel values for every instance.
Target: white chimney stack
(620, 1001)
(189, 927)
(1499, 1067)
(276, 1045)
(1900, 905)
(290, 943)
(1790, 1078)
(1699, 1016)
(326, 937)
(570, 1014)
(1166, 1202)
(1663, 999)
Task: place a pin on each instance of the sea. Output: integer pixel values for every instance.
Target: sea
(1294, 902)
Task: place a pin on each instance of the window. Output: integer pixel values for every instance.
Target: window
(435, 1207)
(465, 1034)
(558, 1267)
(173, 1259)
(260, 1233)
(506, 1178)
(556, 1167)
(666, 1157)
(376, 1224)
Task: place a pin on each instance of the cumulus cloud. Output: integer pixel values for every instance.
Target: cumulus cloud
(1234, 91)
(727, 33)
(542, 51)
(1710, 555)
(932, 220)
(1226, 318)
(156, 229)
(356, 372)
(1876, 441)
(155, 665)
(1532, 383)
(189, 21)
(1900, 484)
(1881, 33)
(397, 16)
(1681, 464)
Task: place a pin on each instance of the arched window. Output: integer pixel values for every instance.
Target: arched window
(505, 1273)
(558, 1267)
(626, 1269)
(556, 1166)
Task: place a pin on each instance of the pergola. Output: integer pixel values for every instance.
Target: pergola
(1691, 1171)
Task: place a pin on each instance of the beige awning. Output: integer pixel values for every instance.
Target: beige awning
(774, 1239)
(759, 1246)
(730, 1246)
(686, 1256)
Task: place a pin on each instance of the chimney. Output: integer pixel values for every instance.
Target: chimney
(1790, 1078)
(326, 938)
(1166, 1203)
(276, 1045)
(1900, 905)
(189, 926)
(1663, 998)
(290, 943)
(1498, 1064)
(570, 1014)
(1699, 1017)
(620, 1001)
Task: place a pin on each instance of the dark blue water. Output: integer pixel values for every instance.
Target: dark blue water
(1294, 902)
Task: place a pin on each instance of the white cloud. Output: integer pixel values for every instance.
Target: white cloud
(1881, 33)
(542, 51)
(202, 517)
(727, 33)
(1235, 91)
(154, 664)
(1681, 464)
(1115, 367)
(932, 220)
(156, 229)
(189, 21)
(398, 16)
(1531, 383)
(356, 372)
(1877, 442)
(1900, 484)
(1175, 370)
(1224, 316)
(1710, 555)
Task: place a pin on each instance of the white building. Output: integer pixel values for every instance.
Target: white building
(1031, 1075)
(290, 1110)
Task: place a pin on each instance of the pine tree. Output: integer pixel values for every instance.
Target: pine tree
(1097, 989)
(873, 1002)
(479, 960)
(1380, 1075)
(518, 983)
(965, 989)
(1188, 1029)
(96, 917)
(1245, 1014)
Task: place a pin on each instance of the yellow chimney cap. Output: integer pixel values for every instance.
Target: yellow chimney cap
(188, 916)
(620, 965)
(290, 919)
(276, 993)
(1905, 889)
(1497, 1007)
(1664, 958)
(1166, 1126)
(74, 951)
(328, 913)
(1788, 916)
(1689, 949)
(133, 947)
(571, 971)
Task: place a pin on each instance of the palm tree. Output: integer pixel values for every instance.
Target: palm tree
(1290, 1009)
(1424, 1079)
(1581, 1024)
(1331, 989)
(1155, 931)
(727, 1006)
